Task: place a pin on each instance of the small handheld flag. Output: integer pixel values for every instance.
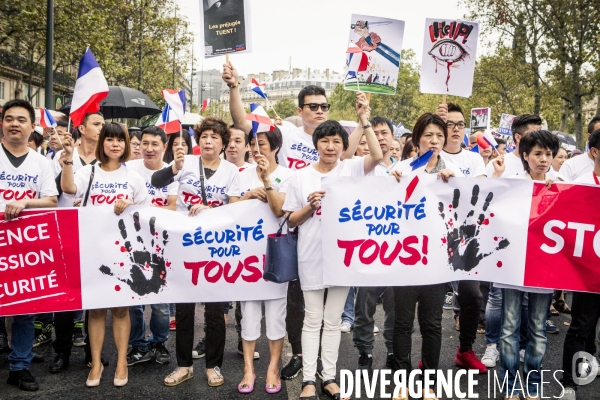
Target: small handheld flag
(258, 88)
(168, 121)
(46, 120)
(475, 149)
(422, 160)
(176, 100)
(195, 148)
(90, 88)
(260, 119)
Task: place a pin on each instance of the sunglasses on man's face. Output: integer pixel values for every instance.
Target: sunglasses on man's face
(315, 106)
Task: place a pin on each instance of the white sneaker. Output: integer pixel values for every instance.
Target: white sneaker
(522, 355)
(569, 394)
(491, 356)
(346, 327)
(375, 329)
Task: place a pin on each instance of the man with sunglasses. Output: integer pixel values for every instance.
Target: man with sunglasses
(468, 292)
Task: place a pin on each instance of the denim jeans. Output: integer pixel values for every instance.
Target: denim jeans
(348, 314)
(365, 306)
(512, 300)
(172, 310)
(493, 315)
(159, 326)
(22, 342)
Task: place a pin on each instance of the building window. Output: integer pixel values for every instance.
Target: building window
(1, 90)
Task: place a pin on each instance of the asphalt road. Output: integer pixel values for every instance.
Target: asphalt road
(146, 380)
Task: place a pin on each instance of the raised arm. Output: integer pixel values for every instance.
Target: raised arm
(364, 113)
(67, 178)
(236, 106)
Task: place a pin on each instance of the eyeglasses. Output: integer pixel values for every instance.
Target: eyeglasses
(315, 106)
(451, 125)
(135, 145)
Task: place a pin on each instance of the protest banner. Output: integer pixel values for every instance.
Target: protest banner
(373, 54)
(506, 121)
(421, 231)
(226, 27)
(449, 52)
(69, 259)
(480, 118)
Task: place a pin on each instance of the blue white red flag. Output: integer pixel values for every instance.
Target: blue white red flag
(46, 120)
(176, 100)
(260, 119)
(168, 121)
(258, 88)
(422, 160)
(195, 147)
(90, 88)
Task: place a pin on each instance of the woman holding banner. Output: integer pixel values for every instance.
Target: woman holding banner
(537, 150)
(196, 176)
(303, 201)
(112, 151)
(267, 182)
(429, 135)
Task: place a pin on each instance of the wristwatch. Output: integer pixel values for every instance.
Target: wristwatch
(68, 162)
(367, 126)
(234, 85)
(269, 188)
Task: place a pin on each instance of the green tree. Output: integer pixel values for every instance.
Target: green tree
(285, 108)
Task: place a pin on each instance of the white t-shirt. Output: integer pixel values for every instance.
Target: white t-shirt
(297, 149)
(301, 185)
(513, 166)
(573, 168)
(471, 164)
(65, 199)
(245, 166)
(225, 183)
(32, 180)
(158, 196)
(587, 178)
(523, 175)
(109, 186)
(407, 170)
(279, 179)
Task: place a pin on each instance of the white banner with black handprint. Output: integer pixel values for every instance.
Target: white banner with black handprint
(150, 255)
(422, 231)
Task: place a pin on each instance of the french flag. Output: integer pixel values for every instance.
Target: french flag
(90, 88)
(205, 104)
(260, 119)
(195, 147)
(258, 88)
(168, 121)
(357, 60)
(176, 100)
(46, 120)
(486, 140)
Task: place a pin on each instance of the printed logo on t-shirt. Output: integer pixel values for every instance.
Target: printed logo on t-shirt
(13, 187)
(466, 171)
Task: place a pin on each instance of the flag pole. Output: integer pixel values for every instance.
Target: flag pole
(69, 126)
(443, 99)
(59, 141)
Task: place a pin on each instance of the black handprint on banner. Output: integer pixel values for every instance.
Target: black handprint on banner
(145, 260)
(462, 241)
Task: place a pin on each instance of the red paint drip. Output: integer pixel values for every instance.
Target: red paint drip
(444, 240)
(123, 249)
(486, 221)
(121, 264)
(495, 238)
(499, 264)
(492, 215)
(448, 77)
(450, 206)
(117, 242)
(168, 263)
(117, 288)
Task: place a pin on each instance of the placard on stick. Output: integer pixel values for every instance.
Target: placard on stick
(226, 27)
(505, 124)
(480, 118)
(449, 51)
(373, 54)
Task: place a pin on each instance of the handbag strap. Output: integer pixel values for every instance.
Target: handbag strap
(202, 190)
(285, 220)
(87, 193)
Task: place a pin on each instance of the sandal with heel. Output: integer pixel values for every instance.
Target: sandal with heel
(326, 392)
(313, 397)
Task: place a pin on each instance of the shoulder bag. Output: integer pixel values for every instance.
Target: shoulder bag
(282, 255)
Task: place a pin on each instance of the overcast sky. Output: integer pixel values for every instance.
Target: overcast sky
(315, 32)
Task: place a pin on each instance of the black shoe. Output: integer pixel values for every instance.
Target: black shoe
(60, 363)
(200, 350)
(307, 383)
(390, 361)
(365, 361)
(136, 356)
(326, 392)
(292, 369)
(3, 343)
(320, 368)
(43, 333)
(161, 354)
(23, 379)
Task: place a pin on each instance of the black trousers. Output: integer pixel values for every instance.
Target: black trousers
(45, 318)
(470, 300)
(215, 334)
(295, 316)
(585, 310)
(431, 300)
(63, 329)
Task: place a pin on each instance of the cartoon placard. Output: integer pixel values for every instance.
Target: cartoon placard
(505, 124)
(480, 118)
(373, 54)
(449, 51)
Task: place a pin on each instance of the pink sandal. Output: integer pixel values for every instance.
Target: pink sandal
(246, 388)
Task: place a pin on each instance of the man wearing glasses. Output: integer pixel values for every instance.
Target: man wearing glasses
(468, 292)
